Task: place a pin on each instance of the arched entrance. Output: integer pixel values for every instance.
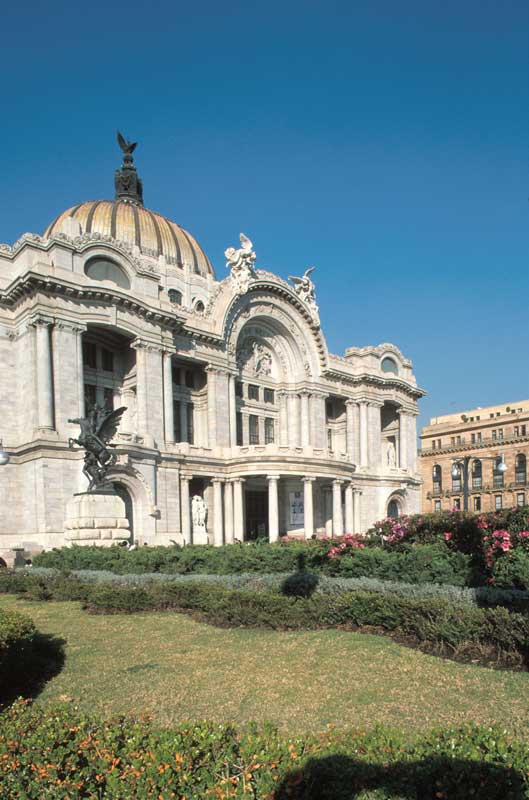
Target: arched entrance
(125, 495)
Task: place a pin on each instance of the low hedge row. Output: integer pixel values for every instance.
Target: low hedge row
(60, 753)
(16, 635)
(417, 564)
(494, 633)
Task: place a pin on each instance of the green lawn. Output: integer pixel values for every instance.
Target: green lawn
(173, 668)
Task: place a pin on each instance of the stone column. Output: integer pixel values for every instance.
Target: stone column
(375, 435)
(182, 410)
(185, 509)
(45, 413)
(68, 375)
(308, 508)
(273, 509)
(351, 430)
(238, 508)
(168, 396)
(233, 411)
(218, 532)
(305, 425)
(212, 406)
(403, 440)
(356, 510)
(319, 421)
(337, 516)
(228, 512)
(363, 434)
(245, 428)
(283, 419)
(349, 509)
(293, 420)
(411, 427)
(149, 392)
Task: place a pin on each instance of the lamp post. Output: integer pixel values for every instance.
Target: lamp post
(460, 465)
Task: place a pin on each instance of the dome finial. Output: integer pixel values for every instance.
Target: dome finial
(128, 185)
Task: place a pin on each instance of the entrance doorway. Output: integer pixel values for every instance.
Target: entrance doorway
(256, 515)
(124, 493)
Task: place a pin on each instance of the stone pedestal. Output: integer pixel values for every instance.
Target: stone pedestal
(96, 518)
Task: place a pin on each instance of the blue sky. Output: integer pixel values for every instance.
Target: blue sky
(384, 142)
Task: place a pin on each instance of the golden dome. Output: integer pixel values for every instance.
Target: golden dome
(127, 222)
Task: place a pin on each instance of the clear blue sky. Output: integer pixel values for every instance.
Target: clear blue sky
(384, 142)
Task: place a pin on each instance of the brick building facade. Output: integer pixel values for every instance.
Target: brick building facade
(485, 438)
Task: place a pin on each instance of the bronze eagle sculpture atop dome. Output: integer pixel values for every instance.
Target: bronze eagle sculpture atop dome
(127, 147)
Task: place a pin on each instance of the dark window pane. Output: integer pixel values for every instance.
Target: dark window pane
(253, 392)
(269, 395)
(269, 430)
(107, 360)
(254, 429)
(89, 355)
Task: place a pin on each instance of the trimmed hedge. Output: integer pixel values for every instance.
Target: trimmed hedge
(59, 752)
(16, 637)
(451, 629)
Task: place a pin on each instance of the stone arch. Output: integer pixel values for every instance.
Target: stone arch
(276, 328)
(396, 502)
(143, 509)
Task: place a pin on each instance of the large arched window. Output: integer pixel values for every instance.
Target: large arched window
(520, 469)
(477, 474)
(393, 509)
(437, 475)
(100, 268)
(457, 478)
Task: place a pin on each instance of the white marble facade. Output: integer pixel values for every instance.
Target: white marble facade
(232, 395)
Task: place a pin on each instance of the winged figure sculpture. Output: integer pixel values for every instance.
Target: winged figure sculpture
(127, 147)
(97, 430)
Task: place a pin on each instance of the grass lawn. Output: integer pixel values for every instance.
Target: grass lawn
(173, 668)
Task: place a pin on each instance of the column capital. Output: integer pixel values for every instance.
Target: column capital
(307, 479)
(145, 344)
(217, 479)
(214, 368)
(273, 477)
(238, 480)
(69, 325)
(40, 319)
(351, 401)
(185, 476)
(319, 394)
(338, 481)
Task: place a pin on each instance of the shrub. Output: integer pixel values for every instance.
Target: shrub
(16, 635)
(59, 752)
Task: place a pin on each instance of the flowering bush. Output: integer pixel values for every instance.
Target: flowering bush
(341, 545)
(60, 753)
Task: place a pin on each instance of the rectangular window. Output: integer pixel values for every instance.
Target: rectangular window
(437, 505)
(238, 389)
(253, 392)
(516, 432)
(452, 440)
(457, 503)
(269, 395)
(89, 396)
(254, 429)
(90, 355)
(108, 398)
(522, 432)
(520, 499)
(190, 424)
(459, 440)
(473, 438)
(190, 379)
(477, 503)
(476, 482)
(269, 430)
(478, 438)
(494, 435)
(497, 502)
(433, 445)
(500, 433)
(456, 484)
(239, 428)
(107, 360)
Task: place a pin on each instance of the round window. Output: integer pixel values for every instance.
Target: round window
(389, 365)
(102, 269)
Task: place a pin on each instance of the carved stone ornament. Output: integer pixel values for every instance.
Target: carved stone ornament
(305, 290)
(240, 263)
(255, 357)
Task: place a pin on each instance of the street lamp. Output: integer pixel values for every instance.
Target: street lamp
(461, 465)
(4, 455)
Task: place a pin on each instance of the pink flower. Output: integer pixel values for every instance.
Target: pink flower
(523, 534)
(448, 536)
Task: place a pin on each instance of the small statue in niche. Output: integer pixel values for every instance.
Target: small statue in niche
(306, 291)
(199, 513)
(391, 455)
(240, 263)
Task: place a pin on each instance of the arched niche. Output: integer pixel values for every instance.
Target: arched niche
(105, 269)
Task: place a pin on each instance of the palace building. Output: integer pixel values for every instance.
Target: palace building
(231, 394)
(488, 446)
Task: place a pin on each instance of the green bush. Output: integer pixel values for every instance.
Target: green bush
(16, 636)
(60, 753)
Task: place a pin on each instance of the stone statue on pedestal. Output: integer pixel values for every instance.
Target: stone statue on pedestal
(97, 429)
(199, 513)
(391, 454)
(240, 263)
(306, 291)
